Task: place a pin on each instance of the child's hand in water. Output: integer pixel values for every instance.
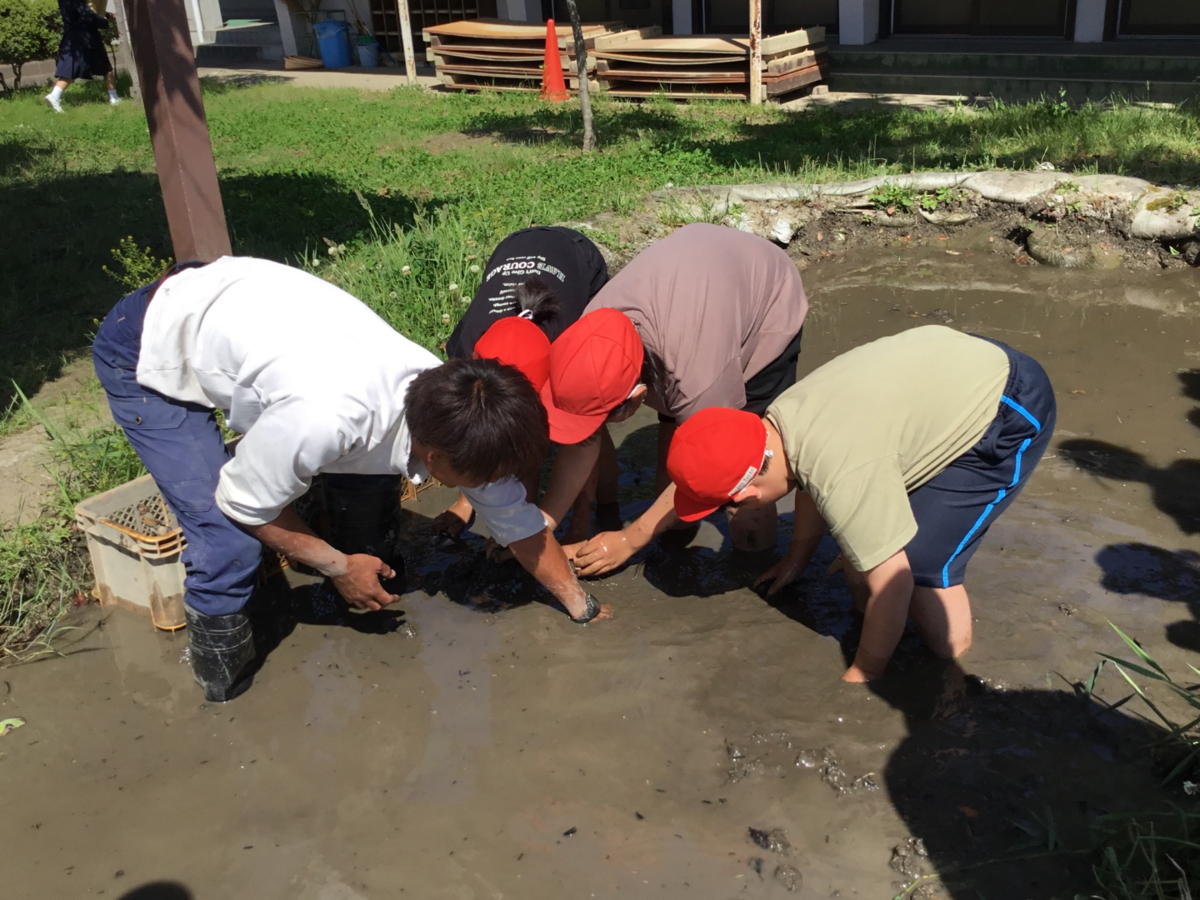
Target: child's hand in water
(781, 574)
(603, 553)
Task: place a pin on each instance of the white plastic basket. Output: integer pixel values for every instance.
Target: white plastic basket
(135, 544)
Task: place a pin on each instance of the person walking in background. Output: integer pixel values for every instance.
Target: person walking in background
(81, 53)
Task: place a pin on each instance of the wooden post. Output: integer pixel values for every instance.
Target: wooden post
(187, 173)
(125, 49)
(410, 62)
(756, 85)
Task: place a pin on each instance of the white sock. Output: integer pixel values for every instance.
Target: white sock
(56, 93)
(112, 97)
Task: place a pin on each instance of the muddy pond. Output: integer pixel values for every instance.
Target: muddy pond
(474, 743)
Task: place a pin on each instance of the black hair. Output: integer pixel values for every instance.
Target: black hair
(654, 371)
(537, 298)
(485, 417)
(653, 376)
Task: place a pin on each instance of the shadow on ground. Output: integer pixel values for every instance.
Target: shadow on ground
(1013, 792)
(52, 285)
(1140, 568)
(1018, 136)
(158, 890)
(1007, 792)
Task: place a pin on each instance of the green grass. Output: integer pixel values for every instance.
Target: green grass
(43, 563)
(399, 197)
(291, 159)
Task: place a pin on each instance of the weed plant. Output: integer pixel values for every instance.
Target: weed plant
(1154, 855)
(43, 564)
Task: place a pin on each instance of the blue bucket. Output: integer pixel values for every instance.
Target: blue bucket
(332, 37)
(368, 53)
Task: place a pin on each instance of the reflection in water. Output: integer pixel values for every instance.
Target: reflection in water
(337, 687)
(457, 646)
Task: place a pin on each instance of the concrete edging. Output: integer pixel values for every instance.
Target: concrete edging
(1155, 212)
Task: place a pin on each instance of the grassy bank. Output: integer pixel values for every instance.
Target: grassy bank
(43, 563)
(467, 168)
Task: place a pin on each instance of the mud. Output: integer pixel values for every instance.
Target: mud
(1033, 218)
(471, 742)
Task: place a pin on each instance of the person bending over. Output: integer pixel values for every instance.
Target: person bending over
(315, 382)
(906, 449)
(708, 316)
(544, 276)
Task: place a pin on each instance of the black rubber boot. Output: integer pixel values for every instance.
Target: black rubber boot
(222, 653)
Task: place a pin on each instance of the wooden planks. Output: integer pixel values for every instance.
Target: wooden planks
(688, 66)
(497, 55)
(506, 30)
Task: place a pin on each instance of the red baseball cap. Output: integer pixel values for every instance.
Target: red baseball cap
(514, 341)
(594, 367)
(714, 455)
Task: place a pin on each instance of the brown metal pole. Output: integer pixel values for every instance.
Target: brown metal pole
(187, 173)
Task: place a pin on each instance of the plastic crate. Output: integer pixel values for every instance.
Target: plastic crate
(135, 544)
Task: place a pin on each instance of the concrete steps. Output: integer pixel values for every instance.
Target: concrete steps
(1127, 70)
(242, 44)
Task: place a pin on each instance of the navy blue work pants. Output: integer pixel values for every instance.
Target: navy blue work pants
(182, 447)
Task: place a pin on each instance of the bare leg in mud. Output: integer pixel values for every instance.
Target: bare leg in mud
(606, 484)
(942, 615)
(666, 431)
(855, 580)
(580, 528)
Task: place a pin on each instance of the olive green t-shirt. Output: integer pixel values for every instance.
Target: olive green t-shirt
(873, 425)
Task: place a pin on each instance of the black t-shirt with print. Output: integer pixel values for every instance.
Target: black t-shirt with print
(569, 263)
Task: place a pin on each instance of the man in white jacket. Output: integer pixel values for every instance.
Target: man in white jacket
(316, 383)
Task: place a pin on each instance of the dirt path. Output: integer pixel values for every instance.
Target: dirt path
(479, 745)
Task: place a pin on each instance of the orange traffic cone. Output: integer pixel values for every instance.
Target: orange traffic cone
(553, 86)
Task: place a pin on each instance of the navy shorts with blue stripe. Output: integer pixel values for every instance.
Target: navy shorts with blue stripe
(956, 507)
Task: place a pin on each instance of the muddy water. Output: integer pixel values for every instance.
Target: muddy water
(479, 745)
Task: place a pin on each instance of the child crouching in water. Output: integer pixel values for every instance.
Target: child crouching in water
(906, 449)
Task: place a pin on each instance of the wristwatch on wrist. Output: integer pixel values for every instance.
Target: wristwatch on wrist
(593, 610)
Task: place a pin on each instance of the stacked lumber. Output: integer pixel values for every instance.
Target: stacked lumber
(708, 66)
(501, 55)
